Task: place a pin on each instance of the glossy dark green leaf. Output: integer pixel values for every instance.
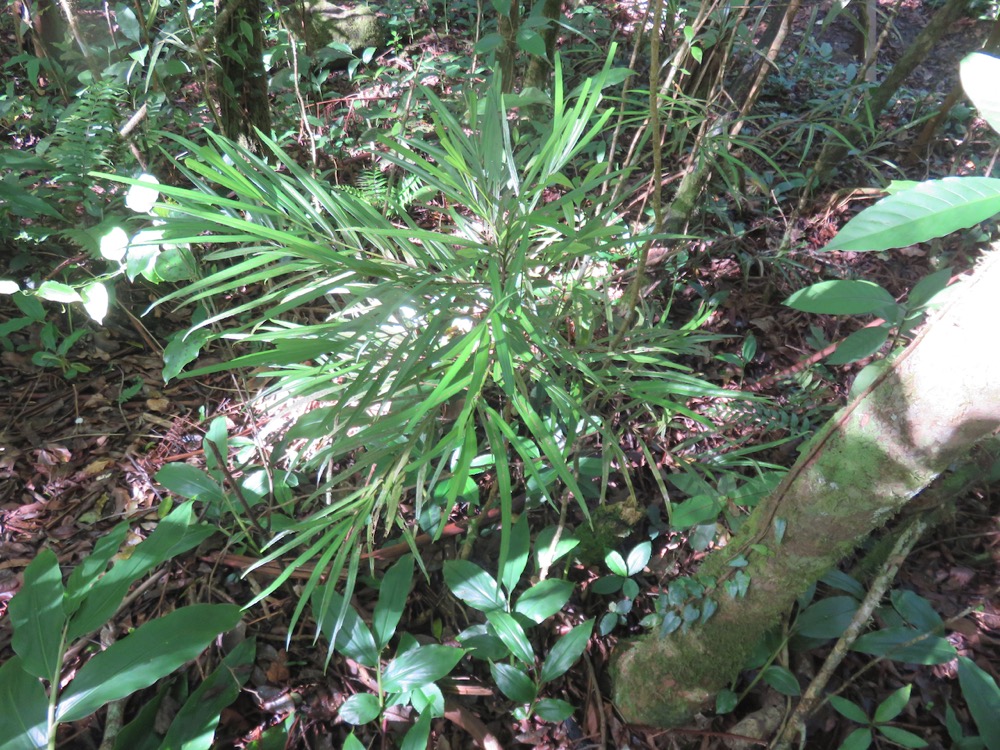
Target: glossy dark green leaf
(417, 736)
(983, 699)
(916, 610)
(392, 596)
(893, 705)
(360, 708)
(23, 703)
(848, 710)
(566, 651)
(513, 683)
(553, 709)
(544, 599)
(513, 636)
(420, 666)
(37, 615)
(889, 642)
(193, 728)
(473, 585)
(149, 653)
(841, 297)
(901, 737)
(827, 618)
(859, 739)
(782, 680)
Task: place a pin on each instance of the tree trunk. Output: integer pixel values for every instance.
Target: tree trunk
(930, 407)
(834, 150)
(242, 85)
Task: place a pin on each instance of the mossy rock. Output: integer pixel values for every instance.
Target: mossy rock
(356, 27)
(611, 522)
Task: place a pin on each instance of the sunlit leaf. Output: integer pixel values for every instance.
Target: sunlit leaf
(420, 666)
(38, 617)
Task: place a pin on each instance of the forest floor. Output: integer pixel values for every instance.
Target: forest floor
(78, 454)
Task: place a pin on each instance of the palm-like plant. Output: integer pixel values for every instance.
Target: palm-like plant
(487, 343)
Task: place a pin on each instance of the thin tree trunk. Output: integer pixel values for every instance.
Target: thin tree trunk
(241, 81)
(835, 150)
(929, 408)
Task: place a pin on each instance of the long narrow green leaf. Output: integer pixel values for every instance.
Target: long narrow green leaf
(141, 658)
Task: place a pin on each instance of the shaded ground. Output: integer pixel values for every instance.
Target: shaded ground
(78, 455)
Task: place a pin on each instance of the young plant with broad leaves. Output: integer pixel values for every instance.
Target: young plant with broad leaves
(503, 639)
(53, 620)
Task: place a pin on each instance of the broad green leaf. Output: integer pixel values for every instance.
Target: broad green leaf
(38, 618)
(544, 599)
(694, 511)
(513, 636)
(901, 737)
(193, 728)
(354, 640)
(182, 349)
(418, 735)
(725, 701)
(893, 706)
(616, 563)
(190, 483)
(473, 585)
(360, 708)
(141, 658)
(23, 703)
(566, 651)
(888, 642)
(638, 558)
(419, 666)
(932, 209)
(143, 194)
(926, 289)
(782, 680)
(553, 709)
(56, 291)
(841, 297)
(350, 743)
(531, 42)
(392, 595)
(858, 345)
(827, 618)
(979, 73)
(173, 535)
(88, 572)
(547, 553)
(513, 683)
(859, 739)
(848, 709)
(916, 610)
(983, 698)
(842, 582)
(428, 699)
